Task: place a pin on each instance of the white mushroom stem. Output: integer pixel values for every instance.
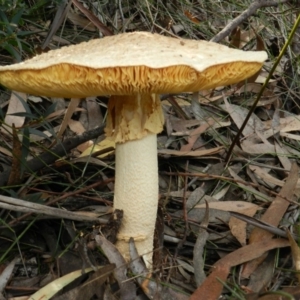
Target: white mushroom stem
(136, 193)
(133, 122)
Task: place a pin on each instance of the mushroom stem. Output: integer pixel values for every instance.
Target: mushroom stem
(133, 122)
(136, 193)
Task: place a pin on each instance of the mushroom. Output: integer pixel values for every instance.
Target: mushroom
(134, 68)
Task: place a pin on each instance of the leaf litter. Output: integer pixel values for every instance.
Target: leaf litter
(233, 215)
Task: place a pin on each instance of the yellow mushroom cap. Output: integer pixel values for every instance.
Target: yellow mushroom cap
(131, 63)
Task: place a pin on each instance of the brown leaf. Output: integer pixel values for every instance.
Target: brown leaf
(278, 207)
(127, 288)
(191, 16)
(295, 253)
(95, 116)
(105, 30)
(273, 216)
(212, 287)
(238, 115)
(91, 287)
(77, 20)
(238, 227)
(265, 176)
(14, 106)
(262, 148)
(251, 189)
(237, 206)
(15, 173)
(194, 135)
(202, 237)
(260, 46)
(74, 102)
(235, 38)
(152, 288)
(191, 153)
(262, 277)
(282, 155)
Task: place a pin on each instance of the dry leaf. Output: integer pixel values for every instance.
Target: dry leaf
(91, 287)
(106, 143)
(238, 227)
(295, 137)
(194, 135)
(295, 253)
(15, 173)
(94, 113)
(248, 35)
(77, 20)
(70, 110)
(191, 16)
(260, 46)
(265, 176)
(212, 287)
(272, 216)
(127, 288)
(236, 206)
(14, 106)
(194, 153)
(238, 115)
(76, 126)
(249, 147)
(282, 155)
(235, 38)
(256, 194)
(48, 291)
(198, 251)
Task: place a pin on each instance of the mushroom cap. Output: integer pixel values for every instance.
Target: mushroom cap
(131, 63)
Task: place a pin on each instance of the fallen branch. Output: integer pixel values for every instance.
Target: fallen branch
(14, 204)
(253, 7)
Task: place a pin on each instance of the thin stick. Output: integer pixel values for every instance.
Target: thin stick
(253, 7)
(86, 188)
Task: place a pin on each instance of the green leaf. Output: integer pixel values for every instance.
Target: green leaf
(9, 48)
(6, 22)
(17, 17)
